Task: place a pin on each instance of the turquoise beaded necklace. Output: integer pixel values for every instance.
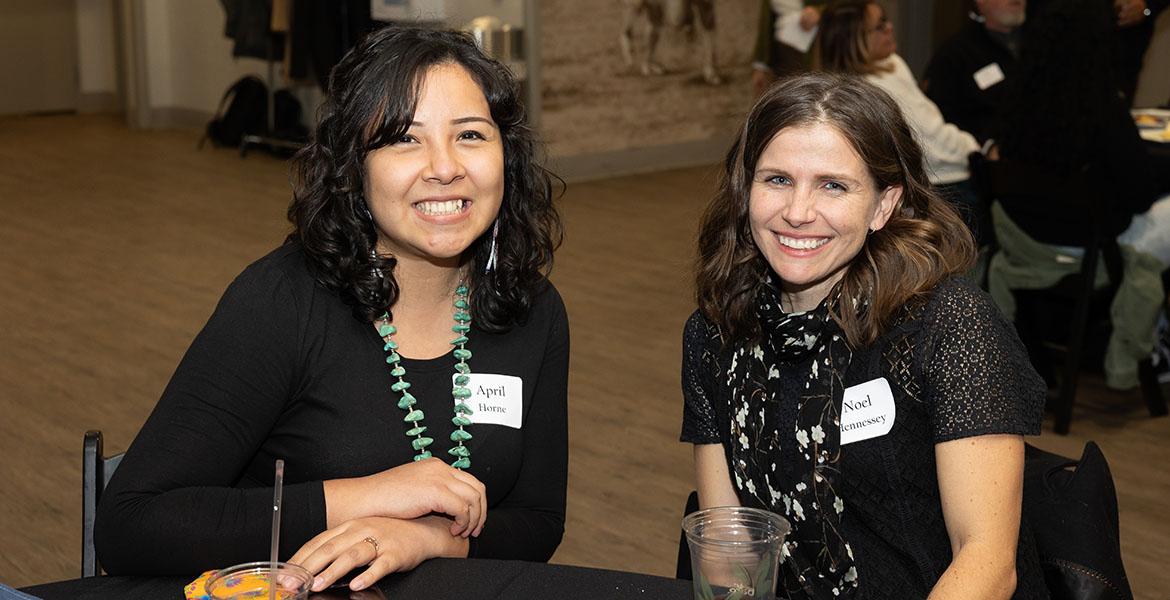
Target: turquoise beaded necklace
(407, 402)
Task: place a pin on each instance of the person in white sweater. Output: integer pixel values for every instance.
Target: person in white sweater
(856, 37)
(776, 55)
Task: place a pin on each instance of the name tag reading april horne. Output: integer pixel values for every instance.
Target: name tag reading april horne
(495, 399)
(867, 411)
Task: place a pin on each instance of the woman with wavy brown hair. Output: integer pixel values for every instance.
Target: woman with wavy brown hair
(423, 226)
(841, 373)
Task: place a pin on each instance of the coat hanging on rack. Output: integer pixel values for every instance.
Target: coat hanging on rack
(249, 25)
(322, 31)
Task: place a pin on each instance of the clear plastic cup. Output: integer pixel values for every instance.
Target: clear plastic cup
(251, 581)
(735, 552)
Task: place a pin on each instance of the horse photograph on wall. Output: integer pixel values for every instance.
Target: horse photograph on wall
(695, 18)
(626, 74)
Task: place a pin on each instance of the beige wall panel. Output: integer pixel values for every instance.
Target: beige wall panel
(1154, 85)
(38, 56)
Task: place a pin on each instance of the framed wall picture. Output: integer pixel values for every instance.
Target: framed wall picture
(623, 75)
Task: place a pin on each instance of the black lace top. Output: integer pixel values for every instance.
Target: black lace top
(956, 369)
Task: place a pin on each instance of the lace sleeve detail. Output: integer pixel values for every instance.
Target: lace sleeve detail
(979, 380)
(698, 378)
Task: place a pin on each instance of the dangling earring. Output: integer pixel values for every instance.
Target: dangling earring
(373, 251)
(374, 258)
(491, 262)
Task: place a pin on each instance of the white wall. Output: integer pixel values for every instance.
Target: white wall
(96, 56)
(156, 18)
(190, 65)
(189, 61)
(459, 12)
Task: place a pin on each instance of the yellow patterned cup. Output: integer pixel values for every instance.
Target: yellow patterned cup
(254, 581)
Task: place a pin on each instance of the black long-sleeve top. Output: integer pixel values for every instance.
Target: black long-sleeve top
(284, 370)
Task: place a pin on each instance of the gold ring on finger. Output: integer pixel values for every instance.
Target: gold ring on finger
(373, 542)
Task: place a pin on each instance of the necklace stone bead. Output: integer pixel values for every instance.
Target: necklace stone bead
(459, 391)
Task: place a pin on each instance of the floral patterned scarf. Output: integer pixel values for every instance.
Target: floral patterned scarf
(817, 562)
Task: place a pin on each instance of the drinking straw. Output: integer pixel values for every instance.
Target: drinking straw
(272, 556)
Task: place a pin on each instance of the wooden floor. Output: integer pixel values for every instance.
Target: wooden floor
(116, 244)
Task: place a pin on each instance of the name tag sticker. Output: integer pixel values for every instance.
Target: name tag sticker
(495, 399)
(867, 411)
(988, 76)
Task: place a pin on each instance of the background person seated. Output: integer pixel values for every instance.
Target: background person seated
(772, 58)
(1133, 22)
(968, 74)
(856, 37)
(1066, 124)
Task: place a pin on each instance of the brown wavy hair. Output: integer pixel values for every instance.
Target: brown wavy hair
(924, 241)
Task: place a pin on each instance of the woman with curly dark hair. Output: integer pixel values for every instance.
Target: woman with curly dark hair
(838, 371)
(423, 226)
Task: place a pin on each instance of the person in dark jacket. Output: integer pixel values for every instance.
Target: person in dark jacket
(969, 72)
(1064, 124)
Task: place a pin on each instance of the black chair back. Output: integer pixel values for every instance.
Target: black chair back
(96, 471)
(1057, 210)
(1070, 508)
(682, 569)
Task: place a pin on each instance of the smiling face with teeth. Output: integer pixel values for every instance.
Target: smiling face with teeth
(440, 186)
(811, 203)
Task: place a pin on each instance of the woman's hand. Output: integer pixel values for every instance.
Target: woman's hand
(1129, 12)
(387, 545)
(410, 491)
(810, 17)
(712, 479)
(761, 79)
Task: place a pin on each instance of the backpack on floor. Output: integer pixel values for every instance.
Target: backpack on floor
(243, 110)
(287, 118)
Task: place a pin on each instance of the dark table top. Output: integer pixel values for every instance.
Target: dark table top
(437, 578)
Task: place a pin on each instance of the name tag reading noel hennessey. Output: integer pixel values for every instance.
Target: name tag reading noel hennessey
(867, 411)
(495, 399)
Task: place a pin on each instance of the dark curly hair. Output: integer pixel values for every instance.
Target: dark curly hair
(372, 96)
(923, 242)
